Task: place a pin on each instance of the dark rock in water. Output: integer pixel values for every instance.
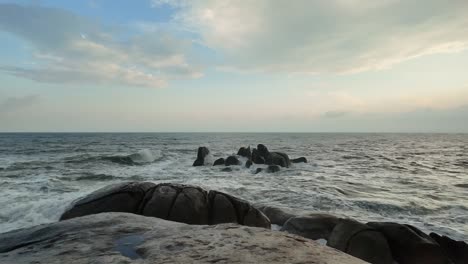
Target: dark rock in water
(410, 245)
(228, 169)
(129, 238)
(124, 197)
(457, 251)
(313, 226)
(258, 170)
(201, 155)
(462, 185)
(361, 241)
(262, 150)
(219, 161)
(299, 160)
(245, 152)
(248, 164)
(232, 160)
(180, 203)
(276, 215)
(256, 158)
(278, 158)
(273, 168)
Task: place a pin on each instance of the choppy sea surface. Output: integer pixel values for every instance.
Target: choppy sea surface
(420, 179)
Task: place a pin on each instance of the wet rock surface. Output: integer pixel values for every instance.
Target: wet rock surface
(180, 203)
(130, 238)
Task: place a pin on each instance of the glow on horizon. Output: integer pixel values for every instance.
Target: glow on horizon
(160, 65)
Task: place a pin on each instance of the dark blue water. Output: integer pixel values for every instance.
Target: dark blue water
(421, 179)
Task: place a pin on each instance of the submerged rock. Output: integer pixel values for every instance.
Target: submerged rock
(180, 203)
(219, 161)
(258, 170)
(299, 160)
(273, 168)
(248, 164)
(129, 238)
(201, 155)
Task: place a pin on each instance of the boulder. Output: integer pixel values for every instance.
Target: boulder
(273, 168)
(227, 169)
(299, 160)
(245, 152)
(201, 155)
(175, 202)
(258, 170)
(410, 245)
(129, 238)
(256, 158)
(248, 164)
(457, 251)
(276, 215)
(278, 158)
(361, 241)
(262, 150)
(232, 160)
(219, 161)
(123, 197)
(313, 226)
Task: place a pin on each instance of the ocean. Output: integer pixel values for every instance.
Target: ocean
(419, 179)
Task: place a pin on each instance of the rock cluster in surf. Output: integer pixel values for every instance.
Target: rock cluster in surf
(260, 155)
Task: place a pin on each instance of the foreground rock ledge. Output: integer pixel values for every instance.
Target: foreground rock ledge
(130, 238)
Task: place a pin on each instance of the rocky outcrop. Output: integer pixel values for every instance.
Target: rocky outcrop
(180, 203)
(201, 155)
(361, 241)
(248, 163)
(245, 152)
(273, 168)
(219, 161)
(313, 226)
(232, 160)
(278, 158)
(130, 238)
(457, 251)
(410, 245)
(256, 158)
(299, 160)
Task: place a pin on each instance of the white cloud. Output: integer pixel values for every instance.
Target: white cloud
(72, 49)
(325, 36)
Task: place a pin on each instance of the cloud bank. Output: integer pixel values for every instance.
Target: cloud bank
(71, 49)
(336, 36)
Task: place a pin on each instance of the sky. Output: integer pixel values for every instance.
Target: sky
(234, 66)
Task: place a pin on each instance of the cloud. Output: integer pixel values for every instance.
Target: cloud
(12, 104)
(336, 36)
(71, 49)
(334, 114)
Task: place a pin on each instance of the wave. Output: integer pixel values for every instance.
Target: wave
(143, 156)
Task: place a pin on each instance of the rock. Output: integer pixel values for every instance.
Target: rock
(130, 238)
(258, 170)
(457, 251)
(299, 160)
(219, 161)
(361, 241)
(278, 158)
(256, 158)
(201, 155)
(248, 164)
(410, 245)
(228, 169)
(276, 215)
(232, 160)
(262, 150)
(245, 152)
(273, 168)
(124, 197)
(175, 202)
(313, 226)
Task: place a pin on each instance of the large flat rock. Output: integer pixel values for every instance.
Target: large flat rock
(130, 238)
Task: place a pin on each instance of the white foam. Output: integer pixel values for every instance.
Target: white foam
(144, 156)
